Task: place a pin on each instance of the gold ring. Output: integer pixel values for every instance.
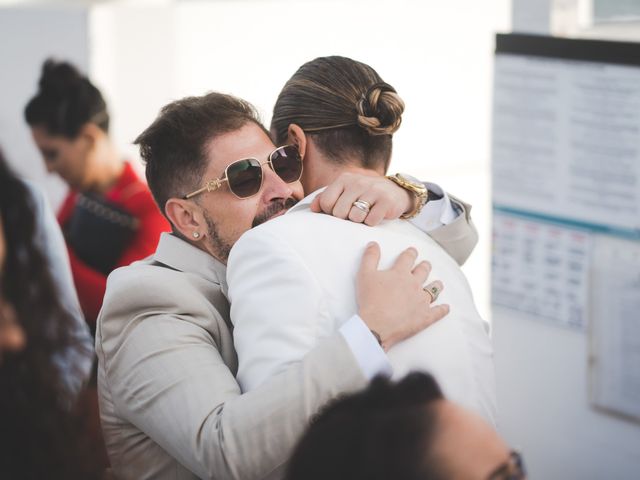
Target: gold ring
(433, 291)
(362, 205)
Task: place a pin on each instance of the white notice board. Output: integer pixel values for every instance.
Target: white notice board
(566, 140)
(565, 166)
(566, 253)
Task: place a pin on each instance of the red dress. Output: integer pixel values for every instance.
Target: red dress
(133, 195)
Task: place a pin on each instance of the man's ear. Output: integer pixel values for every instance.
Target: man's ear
(297, 137)
(185, 217)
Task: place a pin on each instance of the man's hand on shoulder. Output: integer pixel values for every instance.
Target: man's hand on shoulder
(364, 197)
(393, 302)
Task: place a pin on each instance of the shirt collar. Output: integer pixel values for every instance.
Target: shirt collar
(182, 256)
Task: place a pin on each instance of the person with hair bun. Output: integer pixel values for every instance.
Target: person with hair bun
(291, 281)
(108, 217)
(351, 114)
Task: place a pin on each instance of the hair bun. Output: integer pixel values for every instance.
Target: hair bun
(59, 77)
(380, 110)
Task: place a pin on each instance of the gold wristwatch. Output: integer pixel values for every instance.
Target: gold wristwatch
(414, 186)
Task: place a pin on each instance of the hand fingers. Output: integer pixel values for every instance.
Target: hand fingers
(377, 213)
(345, 202)
(330, 195)
(370, 259)
(405, 260)
(421, 271)
(437, 312)
(357, 215)
(315, 204)
(434, 289)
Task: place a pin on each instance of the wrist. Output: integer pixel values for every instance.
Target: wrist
(410, 203)
(413, 207)
(415, 189)
(377, 328)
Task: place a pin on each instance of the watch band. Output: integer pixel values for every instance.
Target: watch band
(420, 192)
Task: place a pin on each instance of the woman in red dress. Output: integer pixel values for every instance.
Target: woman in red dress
(109, 217)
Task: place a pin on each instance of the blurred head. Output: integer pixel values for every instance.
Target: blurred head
(189, 146)
(404, 431)
(31, 316)
(342, 108)
(39, 438)
(12, 338)
(69, 122)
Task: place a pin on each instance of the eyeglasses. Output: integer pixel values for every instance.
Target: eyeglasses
(512, 469)
(245, 176)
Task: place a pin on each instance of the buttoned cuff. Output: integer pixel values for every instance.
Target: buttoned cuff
(364, 346)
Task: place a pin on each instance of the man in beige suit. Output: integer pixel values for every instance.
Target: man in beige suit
(170, 405)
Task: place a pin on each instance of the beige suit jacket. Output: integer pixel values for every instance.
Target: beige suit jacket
(459, 237)
(170, 405)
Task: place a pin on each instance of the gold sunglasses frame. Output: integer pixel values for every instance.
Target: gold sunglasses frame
(215, 184)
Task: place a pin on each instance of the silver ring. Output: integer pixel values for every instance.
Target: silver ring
(362, 205)
(433, 292)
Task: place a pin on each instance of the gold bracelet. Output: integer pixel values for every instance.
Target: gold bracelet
(418, 190)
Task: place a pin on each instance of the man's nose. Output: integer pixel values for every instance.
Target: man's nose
(274, 186)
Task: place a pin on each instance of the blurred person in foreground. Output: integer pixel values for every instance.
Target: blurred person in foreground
(291, 281)
(402, 431)
(171, 407)
(108, 217)
(45, 352)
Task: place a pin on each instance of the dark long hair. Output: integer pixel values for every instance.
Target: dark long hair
(39, 434)
(382, 432)
(66, 100)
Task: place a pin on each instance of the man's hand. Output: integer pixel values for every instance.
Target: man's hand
(386, 199)
(392, 302)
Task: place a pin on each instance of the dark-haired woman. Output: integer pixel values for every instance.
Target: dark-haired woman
(109, 217)
(44, 355)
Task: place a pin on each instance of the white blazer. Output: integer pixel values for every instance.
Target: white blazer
(292, 283)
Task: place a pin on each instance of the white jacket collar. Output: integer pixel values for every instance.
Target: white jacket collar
(306, 201)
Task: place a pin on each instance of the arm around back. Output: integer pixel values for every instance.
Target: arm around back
(278, 309)
(168, 372)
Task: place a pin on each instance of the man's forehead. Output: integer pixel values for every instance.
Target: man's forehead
(249, 141)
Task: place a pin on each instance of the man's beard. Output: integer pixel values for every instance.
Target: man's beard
(216, 242)
(221, 246)
(276, 207)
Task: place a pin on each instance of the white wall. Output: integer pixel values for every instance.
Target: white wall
(27, 37)
(544, 408)
(133, 60)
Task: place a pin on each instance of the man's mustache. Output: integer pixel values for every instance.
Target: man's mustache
(276, 207)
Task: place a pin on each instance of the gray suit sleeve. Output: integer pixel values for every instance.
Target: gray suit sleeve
(75, 362)
(171, 382)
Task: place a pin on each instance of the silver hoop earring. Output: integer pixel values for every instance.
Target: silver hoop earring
(196, 234)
